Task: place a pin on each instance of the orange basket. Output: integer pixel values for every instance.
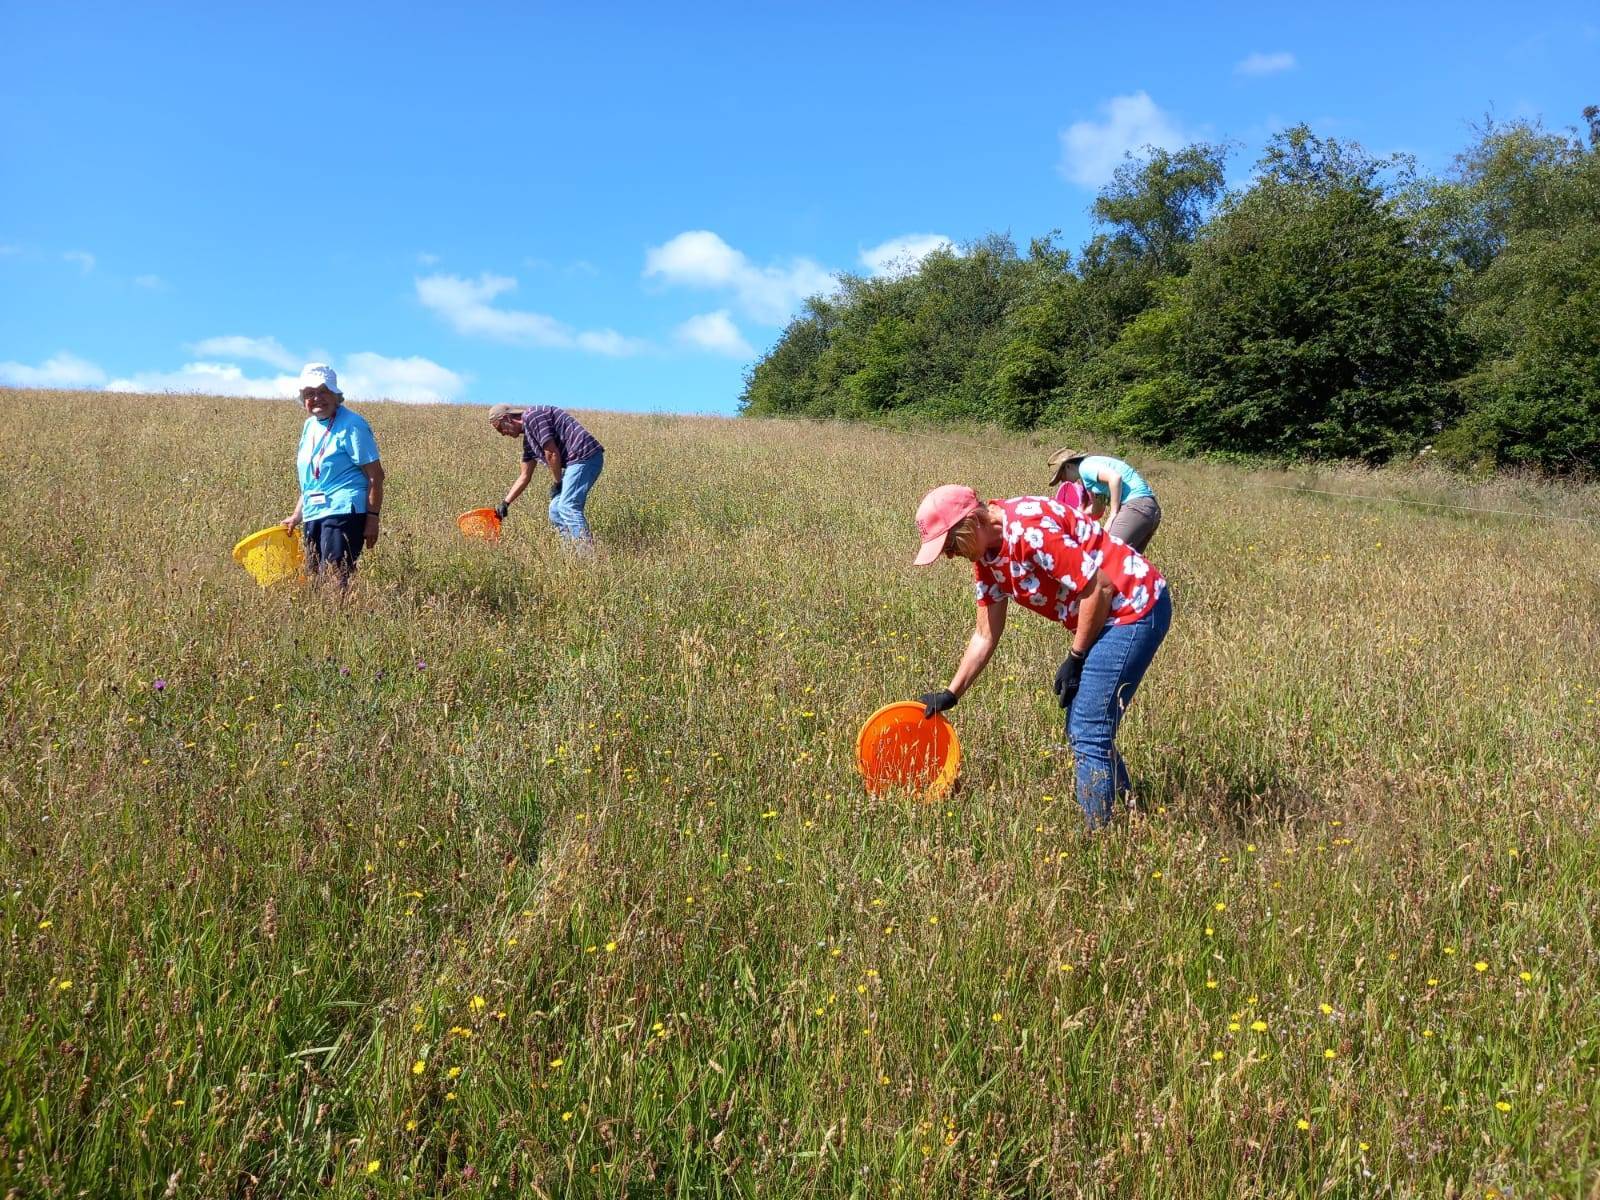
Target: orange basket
(900, 748)
(480, 523)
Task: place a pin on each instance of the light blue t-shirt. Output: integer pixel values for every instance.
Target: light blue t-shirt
(329, 464)
(1133, 484)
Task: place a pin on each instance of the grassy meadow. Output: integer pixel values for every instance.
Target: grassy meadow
(519, 875)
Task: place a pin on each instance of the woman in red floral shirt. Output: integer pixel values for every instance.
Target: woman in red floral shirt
(1056, 561)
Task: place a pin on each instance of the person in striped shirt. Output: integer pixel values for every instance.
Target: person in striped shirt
(553, 436)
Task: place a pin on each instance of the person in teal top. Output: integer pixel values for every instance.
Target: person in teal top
(341, 479)
(1121, 499)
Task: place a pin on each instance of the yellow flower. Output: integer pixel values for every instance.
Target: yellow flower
(555, 1063)
(418, 1067)
(411, 1126)
(1480, 966)
(45, 924)
(1211, 983)
(1525, 976)
(1234, 1027)
(64, 985)
(566, 1116)
(476, 1003)
(1327, 1009)
(611, 947)
(1259, 1026)
(1302, 1124)
(1449, 949)
(1220, 906)
(1363, 1147)
(998, 1017)
(1066, 966)
(1330, 1053)
(449, 1095)
(883, 1079)
(1432, 982)
(372, 1167)
(1216, 1056)
(1502, 1106)
(454, 1072)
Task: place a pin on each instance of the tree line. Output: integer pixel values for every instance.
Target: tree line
(1337, 305)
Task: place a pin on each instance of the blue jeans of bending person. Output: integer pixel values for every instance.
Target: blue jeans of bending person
(1111, 675)
(566, 506)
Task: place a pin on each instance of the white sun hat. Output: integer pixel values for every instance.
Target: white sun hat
(314, 375)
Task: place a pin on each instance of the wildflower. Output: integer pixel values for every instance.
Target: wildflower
(1211, 983)
(45, 924)
(555, 1063)
(461, 1031)
(567, 1116)
(1330, 1053)
(418, 1067)
(1234, 1027)
(160, 685)
(1259, 1026)
(477, 1003)
(883, 1079)
(1502, 1106)
(611, 947)
(1155, 874)
(179, 1103)
(372, 1167)
(1216, 1056)
(1066, 966)
(1432, 982)
(1427, 1033)
(449, 1095)
(1302, 1124)
(1480, 966)
(997, 1017)
(454, 1073)
(1363, 1147)
(1220, 906)
(1449, 949)
(64, 985)
(1327, 1009)
(411, 1126)
(1525, 976)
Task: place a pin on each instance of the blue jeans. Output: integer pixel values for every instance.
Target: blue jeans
(334, 543)
(1111, 675)
(566, 506)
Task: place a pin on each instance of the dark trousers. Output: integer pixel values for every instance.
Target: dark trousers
(335, 543)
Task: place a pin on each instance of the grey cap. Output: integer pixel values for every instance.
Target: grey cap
(503, 410)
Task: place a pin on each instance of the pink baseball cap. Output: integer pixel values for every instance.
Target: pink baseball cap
(941, 511)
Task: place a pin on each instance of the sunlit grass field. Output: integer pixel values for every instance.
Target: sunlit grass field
(514, 874)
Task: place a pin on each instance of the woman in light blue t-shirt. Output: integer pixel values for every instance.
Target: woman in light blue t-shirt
(1120, 498)
(341, 479)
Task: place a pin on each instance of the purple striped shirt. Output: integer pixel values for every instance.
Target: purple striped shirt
(543, 424)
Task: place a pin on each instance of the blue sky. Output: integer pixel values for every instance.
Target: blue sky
(617, 206)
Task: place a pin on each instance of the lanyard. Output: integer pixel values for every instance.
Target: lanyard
(316, 463)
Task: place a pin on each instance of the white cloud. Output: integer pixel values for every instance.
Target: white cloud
(1092, 150)
(58, 371)
(1266, 64)
(82, 258)
(467, 305)
(209, 379)
(715, 332)
(263, 349)
(150, 283)
(413, 380)
(902, 254)
(699, 258)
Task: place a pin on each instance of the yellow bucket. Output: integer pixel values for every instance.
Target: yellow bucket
(271, 554)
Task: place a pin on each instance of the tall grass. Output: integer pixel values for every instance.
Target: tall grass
(516, 874)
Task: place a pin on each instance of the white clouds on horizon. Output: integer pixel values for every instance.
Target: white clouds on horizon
(903, 254)
(1266, 64)
(264, 349)
(467, 306)
(701, 259)
(715, 333)
(362, 375)
(58, 371)
(1092, 150)
(84, 260)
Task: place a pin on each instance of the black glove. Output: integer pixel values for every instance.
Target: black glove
(937, 702)
(501, 509)
(1067, 677)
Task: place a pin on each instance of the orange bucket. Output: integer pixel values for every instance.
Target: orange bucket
(899, 747)
(480, 523)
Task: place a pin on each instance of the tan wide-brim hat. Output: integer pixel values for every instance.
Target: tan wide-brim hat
(1062, 462)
